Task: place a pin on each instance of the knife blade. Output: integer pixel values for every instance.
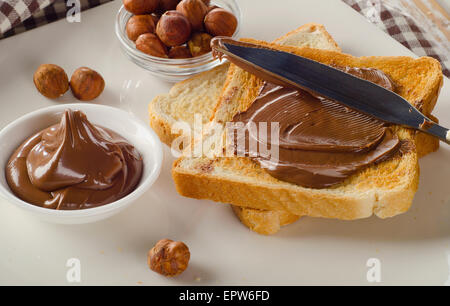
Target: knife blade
(283, 68)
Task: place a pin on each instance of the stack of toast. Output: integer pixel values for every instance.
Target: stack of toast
(264, 203)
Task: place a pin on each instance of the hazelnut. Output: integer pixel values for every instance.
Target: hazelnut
(199, 44)
(195, 11)
(141, 7)
(51, 80)
(179, 52)
(140, 24)
(168, 257)
(168, 5)
(220, 22)
(86, 84)
(150, 44)
(173, 28)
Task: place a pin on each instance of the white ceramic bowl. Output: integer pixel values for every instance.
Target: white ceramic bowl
(127, 125)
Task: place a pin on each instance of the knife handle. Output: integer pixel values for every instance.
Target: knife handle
(435, 129)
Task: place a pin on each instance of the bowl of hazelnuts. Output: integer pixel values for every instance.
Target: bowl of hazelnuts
(171, 38)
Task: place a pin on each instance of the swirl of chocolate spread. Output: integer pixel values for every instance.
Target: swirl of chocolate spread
(74, 165)
(321, 142)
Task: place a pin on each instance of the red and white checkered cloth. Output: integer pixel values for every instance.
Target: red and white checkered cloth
(20, 15)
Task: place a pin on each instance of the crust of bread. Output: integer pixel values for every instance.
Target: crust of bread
(264, 222)
(386, 189)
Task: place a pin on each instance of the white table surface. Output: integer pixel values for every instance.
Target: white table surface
(413, 248)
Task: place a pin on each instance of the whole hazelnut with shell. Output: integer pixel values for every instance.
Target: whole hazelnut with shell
(168, 258)
(150, 44)
(51, 80)
(86, 84)
(140, 24)
(168, 5)
(179, 52)
(141, 7)
(173, 28)
(195, 11)
(220, 22)
(199, 44)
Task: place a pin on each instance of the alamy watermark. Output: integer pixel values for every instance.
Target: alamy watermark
(374, 273)
(228, 139)
(73, 274)
(74, 12)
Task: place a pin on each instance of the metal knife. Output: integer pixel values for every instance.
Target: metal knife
(283, 68)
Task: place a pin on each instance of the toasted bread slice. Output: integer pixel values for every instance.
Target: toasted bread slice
(386, 189)
(199, 95)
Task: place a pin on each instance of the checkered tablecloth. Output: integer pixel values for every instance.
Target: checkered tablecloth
(20, 15)
(17, 16)
(390, 16)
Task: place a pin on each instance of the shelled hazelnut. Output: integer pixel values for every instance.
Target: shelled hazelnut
(51, 80)
(173, 28)
(179, 28)
(220, 22)
(195, 11)
(150, 44)
(86, 84)
(179, 52)
(140, 24)
(141, 7)
(168, 258)
(199, 44)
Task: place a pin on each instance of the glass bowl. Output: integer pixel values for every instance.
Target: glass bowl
(172, 70)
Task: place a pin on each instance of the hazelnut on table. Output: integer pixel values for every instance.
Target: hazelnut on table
(168, 258)
(86, 84)
(140, 24)
(51, 81)
(195, 11)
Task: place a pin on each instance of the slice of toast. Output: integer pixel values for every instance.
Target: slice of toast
(385, 189)
(199, 95)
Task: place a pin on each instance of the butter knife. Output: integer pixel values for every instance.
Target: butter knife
(286, 69)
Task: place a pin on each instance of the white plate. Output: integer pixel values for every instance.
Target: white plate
(413, 248)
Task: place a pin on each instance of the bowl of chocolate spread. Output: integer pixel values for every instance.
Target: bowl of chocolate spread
(77, 163)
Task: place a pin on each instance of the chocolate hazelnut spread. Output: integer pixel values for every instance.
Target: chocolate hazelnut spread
(321, 142)
(74, 165)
